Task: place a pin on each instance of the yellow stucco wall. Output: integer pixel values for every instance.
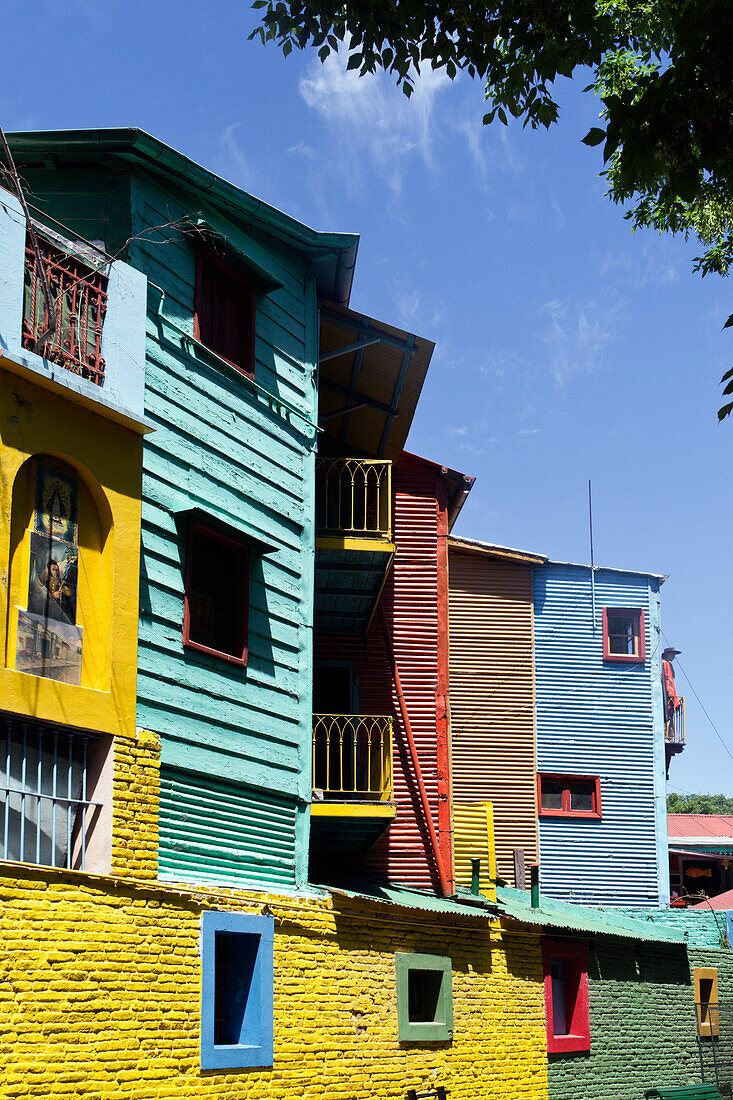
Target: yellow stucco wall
(101, 976)
(108, 459)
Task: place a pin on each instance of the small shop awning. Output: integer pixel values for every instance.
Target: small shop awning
(563, 915)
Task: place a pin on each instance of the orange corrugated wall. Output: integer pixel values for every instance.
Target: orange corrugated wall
(492, 697)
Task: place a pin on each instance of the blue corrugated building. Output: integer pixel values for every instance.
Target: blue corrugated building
(600, 736)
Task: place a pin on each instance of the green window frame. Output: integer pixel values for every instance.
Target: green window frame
(432, 976)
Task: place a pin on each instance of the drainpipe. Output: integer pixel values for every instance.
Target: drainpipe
(534, 885)
(444, 884)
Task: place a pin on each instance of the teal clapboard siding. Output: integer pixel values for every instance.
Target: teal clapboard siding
(210, 829)
(599, 718)
(222, 446)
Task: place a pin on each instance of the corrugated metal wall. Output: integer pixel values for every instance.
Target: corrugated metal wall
(491, 697)
(213, 829)
(597, 718)
(473, 838)
(410, 600)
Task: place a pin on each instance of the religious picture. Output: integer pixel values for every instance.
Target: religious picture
(49, 648)
(53, 578)
(57, 494)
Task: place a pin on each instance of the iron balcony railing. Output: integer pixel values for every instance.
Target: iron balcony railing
(354, 498)
(352, 757)
(45, 812)
(79, 294)
(674, 729)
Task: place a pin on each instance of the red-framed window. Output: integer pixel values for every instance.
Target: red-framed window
(224, 311)
(569, 795)
(567, 1012)
(216, 600)
(623, 635)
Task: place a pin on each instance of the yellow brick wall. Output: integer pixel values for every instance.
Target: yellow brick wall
(100, 984)
(100, 988)
(135, 802)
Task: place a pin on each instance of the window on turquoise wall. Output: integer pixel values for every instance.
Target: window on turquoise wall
(569, 795)
(216, 602)
(237, 960)
(623, 634)
(567, 1012)
(224, 311)
(424, 998)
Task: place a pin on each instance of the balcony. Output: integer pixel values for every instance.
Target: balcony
(79, 295)
(674, 733)
(352, 780)
(354, 546)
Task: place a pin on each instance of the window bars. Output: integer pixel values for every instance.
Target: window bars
(46, 805)
(80, 295)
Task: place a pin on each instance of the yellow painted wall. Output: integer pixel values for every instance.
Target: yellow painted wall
(108, 460)
(100, 985)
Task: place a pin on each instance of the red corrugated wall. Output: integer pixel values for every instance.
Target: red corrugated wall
(415, 604)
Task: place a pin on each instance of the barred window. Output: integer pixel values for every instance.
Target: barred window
(46, 814)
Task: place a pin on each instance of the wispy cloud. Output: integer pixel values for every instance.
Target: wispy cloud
(528, 431)
(576, 336)
(639, 269)
(369, 116)
(230, 147)
(461, 430)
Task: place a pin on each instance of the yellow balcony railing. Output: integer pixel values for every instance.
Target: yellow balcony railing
(352, 757)
(354, 498)
(674, 728)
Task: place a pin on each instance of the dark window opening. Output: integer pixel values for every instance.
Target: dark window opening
(224, 318)
(217, 585)
(423, 995)
(235, 957)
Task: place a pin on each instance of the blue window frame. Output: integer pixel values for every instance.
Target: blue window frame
(237, 961)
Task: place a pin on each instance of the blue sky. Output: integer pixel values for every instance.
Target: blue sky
(567, 348)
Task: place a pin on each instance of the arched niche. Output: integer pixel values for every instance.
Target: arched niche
(49, 619)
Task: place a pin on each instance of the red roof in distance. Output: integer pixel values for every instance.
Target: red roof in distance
(700, 825)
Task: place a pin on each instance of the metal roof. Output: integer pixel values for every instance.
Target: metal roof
(370, 376)
(332, 255)
(492, 550)
(460, 905)
(700, 828)
(577, 918)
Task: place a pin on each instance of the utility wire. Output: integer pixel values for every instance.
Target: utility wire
(702, 705)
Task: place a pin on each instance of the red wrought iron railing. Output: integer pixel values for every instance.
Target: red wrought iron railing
(79, 293)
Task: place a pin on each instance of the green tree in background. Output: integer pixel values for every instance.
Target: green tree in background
(661, 69)
(699, 804)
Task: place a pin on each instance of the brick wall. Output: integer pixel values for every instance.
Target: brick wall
(642, 1020)
(101, 985)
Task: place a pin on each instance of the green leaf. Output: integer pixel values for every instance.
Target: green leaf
(354, 61)
(594, 136)
(725, 411)
(729, 322)
(728, 374)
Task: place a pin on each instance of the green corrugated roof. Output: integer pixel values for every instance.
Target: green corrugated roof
(463, 905)
(579, 918)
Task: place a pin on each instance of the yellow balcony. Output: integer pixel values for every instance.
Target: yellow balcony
(352, 758)
(353, 502)
(354, 545)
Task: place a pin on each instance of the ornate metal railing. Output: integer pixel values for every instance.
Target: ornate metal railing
(79, 294)
(354, 497)
(674, 728)
(352, 757)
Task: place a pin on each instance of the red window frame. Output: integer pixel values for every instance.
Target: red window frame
(625, 658)
(240, 602)
(577, 1006)
(241, 320)
(568, 780)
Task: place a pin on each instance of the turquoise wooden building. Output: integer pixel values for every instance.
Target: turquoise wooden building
(228, 530)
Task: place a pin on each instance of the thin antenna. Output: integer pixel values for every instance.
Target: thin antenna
(592, 564)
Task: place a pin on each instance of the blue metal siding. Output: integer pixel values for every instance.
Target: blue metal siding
(599, 718)
(222, 446)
